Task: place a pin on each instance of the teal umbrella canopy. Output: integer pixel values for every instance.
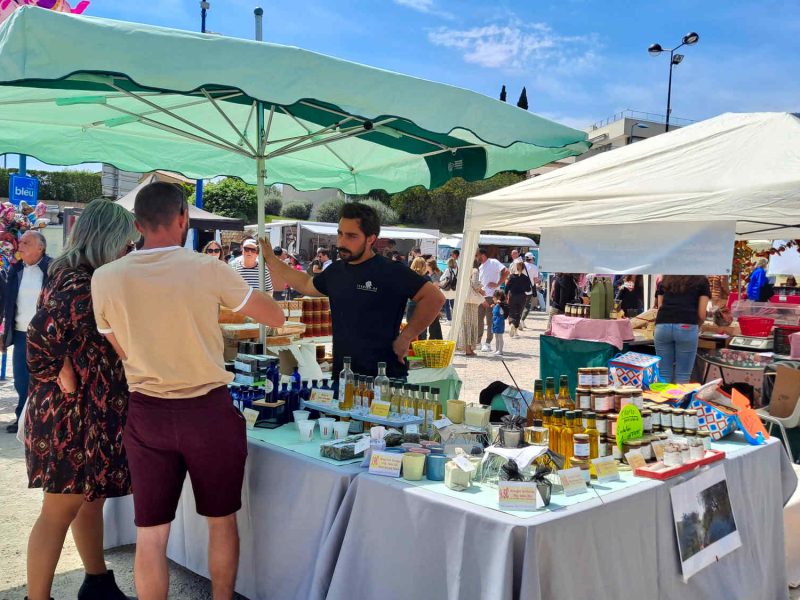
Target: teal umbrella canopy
(83, 89)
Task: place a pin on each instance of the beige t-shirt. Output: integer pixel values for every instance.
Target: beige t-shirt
(162, 306)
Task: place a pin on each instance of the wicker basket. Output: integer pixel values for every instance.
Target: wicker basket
(437, 354)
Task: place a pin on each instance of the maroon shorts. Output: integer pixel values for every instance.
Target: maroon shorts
(165, 438)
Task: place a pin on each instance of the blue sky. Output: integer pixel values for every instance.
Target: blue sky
(580, 60)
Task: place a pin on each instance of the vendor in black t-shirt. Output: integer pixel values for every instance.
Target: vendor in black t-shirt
(368, 295)
(682, 304)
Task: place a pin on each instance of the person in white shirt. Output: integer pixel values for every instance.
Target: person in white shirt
(25, 282)
(491, 274)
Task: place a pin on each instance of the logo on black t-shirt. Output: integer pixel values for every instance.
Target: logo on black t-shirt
(366, 287)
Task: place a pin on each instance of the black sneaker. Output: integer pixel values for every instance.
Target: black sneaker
(100, 587)
(13, 428)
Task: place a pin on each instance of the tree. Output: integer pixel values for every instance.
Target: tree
(385, 213)
(328, 211)
(297, 210)
(523, 99)
(232, 197)
(503, 94)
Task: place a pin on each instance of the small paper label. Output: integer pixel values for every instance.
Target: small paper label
(243, 366)
(573, 482)
(658, 450)
(463, 463)
(385, 463)
(362, 445)
(411, 429)
(380, 408)
(635, 459)
(268, 387)
(519, 495)
(442, 423)
(320, 396)
(606, 468)
(250, 416)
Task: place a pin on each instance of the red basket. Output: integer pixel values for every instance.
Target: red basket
(756, 326)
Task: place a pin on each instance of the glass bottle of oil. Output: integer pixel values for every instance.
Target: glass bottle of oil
(566, 435)
(382, 385)
(358, 392)
(394, 408)
(547, 419)
(550, 393)
(594, 436)
(537, 406)
(422, 399)
(555, 430)
(578, 426)
(408, 400)
(437, 405)
(565, 401)
(369, 393)
(346, 386)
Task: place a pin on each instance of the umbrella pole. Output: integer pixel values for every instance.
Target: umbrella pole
(261, 266)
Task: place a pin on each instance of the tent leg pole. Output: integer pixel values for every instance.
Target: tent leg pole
(260, 166)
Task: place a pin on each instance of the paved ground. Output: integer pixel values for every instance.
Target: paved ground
(19, 506)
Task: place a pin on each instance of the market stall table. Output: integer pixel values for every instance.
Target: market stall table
(747, 367)
(610, 331)
(394, 540)
(289, 502)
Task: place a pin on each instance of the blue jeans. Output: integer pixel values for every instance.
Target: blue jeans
(676, 344)
(448, 310)
(19, 365)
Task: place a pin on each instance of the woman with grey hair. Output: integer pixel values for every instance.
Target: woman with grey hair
(77, 407)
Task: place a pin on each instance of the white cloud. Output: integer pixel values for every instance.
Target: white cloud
(518, 46)
(424, 6)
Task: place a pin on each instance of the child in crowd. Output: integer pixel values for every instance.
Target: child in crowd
(499, 316)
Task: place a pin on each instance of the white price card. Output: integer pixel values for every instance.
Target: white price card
(320, 396)
(385, 463)
(411, 429)
(442, 423)
(606, 469)
(572, 481)
(362, 445)
(519, 495)
(464, 463)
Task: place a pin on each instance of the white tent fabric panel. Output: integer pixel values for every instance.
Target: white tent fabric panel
(741, 167)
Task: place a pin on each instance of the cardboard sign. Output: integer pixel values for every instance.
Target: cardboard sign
(320, 396)
(250, 416)
(573, 482)
(606, 469)
(379, 408)
(785, 392)
(519, 495)
(442, 423)
(629, 425)
(385, 463)
(635, 459)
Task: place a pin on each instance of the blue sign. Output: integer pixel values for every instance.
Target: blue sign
(25, 188)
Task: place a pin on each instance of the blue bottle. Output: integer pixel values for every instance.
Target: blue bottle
(234, 392)
(283, 394)
(296, 379)
(305, 392)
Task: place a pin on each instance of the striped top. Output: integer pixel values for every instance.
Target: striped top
(250, 275)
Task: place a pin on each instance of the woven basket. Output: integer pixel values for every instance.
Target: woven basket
(437, 354)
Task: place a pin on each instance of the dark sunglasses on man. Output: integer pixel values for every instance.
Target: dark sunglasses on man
(249, 250)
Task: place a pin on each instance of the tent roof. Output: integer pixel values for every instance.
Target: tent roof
(735, 167)
(199, 218)
(488, 239)
(398, 233)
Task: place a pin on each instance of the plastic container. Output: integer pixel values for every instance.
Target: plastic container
(326, 427)
(413, 465)
(436, 463)
(755, 326)
(300, 415)
(306, 430)
(341, 429)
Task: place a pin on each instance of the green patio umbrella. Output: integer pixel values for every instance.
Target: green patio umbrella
(82, 89)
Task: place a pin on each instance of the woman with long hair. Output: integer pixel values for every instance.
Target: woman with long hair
(76, 407)
(434, 331)
(682, 304)
(518, 287)
(213, 248)
(470, 335)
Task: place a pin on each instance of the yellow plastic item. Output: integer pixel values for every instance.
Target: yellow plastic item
(437, 354)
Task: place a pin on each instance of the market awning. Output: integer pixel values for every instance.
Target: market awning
(397, 233)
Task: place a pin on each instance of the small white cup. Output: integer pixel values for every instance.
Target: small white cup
(306, 429)
(300, 415)
(341, 429)
(326, 427)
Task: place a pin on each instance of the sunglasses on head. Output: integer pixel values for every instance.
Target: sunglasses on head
(213, 250)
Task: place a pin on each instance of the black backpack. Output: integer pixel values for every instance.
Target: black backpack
(451, 281)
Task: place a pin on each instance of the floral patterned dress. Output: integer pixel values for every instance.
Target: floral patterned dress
(73, 442)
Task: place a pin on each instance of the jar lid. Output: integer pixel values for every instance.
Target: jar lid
(601, 391)
(583, 389)
(581, 437)
(646, 411)
(633, 443)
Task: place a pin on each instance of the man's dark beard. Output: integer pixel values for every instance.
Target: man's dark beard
(347, 256)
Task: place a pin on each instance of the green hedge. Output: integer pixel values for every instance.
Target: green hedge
(63, 186)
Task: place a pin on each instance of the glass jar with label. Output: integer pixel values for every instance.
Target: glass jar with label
(602, 446)
(602, 423)
(583, 397)
(624, 397)
(636, 397)
(631, 445)
(656, 418)
(585, 378)
(602, 399)
(600, 377)
(614, 450)
(690, 421)
(705, 437)
(647, 421)
(580, 446)
(646, 448)
(677, 420)
(666, 418)
(612, 425)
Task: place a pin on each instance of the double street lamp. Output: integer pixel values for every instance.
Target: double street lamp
(674, 59)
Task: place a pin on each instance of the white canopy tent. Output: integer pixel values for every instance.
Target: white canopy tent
(673, 203)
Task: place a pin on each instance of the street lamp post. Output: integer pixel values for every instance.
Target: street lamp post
(674, 59)
(637, 125)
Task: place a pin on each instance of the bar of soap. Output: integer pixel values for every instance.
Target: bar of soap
(455, 478)
(477, 416)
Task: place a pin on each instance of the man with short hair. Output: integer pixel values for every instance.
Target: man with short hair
(515, 256)
(25, 282)
(455, 253)
(247, 266)
(324, 256)
(492, 274)
(368, 296)
(533, 298)
(159, 307)
(415, 252)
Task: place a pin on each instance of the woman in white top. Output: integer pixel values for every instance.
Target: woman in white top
(450, 274)
(470, 335)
